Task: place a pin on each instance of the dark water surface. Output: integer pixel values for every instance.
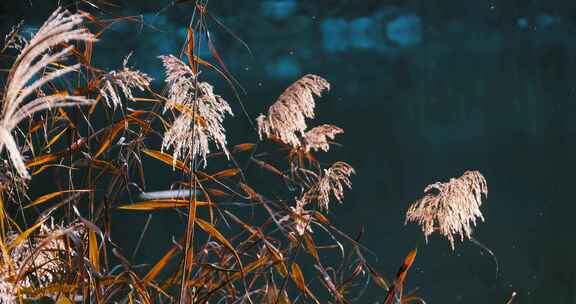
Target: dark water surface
(424, 90)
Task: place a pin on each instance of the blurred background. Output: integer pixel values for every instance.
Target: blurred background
(424, 91)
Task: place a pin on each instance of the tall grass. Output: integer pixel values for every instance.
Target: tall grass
(90, 133)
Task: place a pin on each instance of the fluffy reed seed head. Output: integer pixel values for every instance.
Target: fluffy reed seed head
(450, 208)
(332, 181)
(317, 138)
(14, 39)
(25, 78)
(301, 218)
(201, 113)
(45, 267)
(126, 79)
(286, 118)
(7, 290)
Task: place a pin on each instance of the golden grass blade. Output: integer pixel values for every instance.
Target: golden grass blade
(24, 235)
(50, 289)
(55, 138)
(5, 253)
(2, 218)
(211, 230)
(211, 66)
(63, 115)
(268, 167)
(109, 138)
(167, 159)
(321, 217)
(226, 173)
(242, 147)
(253, 266)
(188, 250)
(190, 50)
(309, 242)
(49, 196)
(239, 221)
(94, 254)
(36, 125)
(408, 261)
(217, 192)
(142, 99)
(218, 175)
(250, 192)
(40, 170)
(278, 259)
(276, 296)
(298, 279)
(161, 204)
(40, 160)
(153, 273)
(106, 166)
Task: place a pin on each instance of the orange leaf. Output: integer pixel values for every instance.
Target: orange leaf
(216, 192)
(298, 279)
(311, 247)
(43, 159)
(251, 267)
(151, 275)
(167, 159)
(55, 138)
(108, 140)
(190, 50)
(217, 175)
(242, 147)
(93, 250)
(161, 204)
(408, 261)
(24, 235)
(49, 196)
(268, 167)
(226, 173)
(319, 216)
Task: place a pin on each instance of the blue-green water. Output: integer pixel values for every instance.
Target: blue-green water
(424, 90)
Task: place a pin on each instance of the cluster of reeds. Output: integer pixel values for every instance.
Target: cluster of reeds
(90, 131)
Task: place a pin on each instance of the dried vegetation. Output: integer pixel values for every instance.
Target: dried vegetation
(238, 243)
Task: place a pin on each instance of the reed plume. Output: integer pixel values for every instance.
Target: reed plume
(7, 289)
(201, 113)
(126, 80)
(317, 138)
(11, 184)
(450, 208)
(14, 39)
(332, 181)
(300, 218)
(96, 161)
(286, 118)
(40, 261)
(24, 78)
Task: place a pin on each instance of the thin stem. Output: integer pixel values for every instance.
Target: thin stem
(189, 254)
